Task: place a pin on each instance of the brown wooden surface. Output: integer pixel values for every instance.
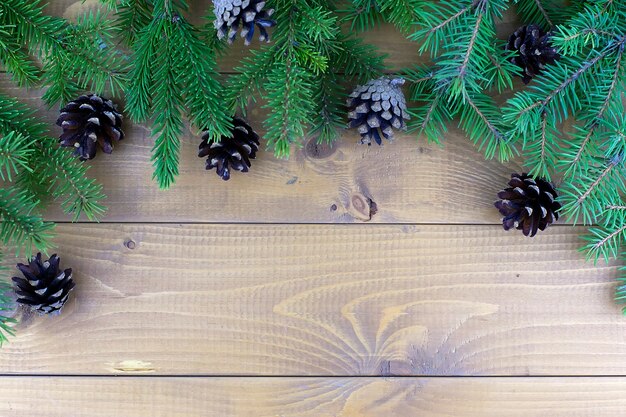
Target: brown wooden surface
(319, 300)
(177, 300)
(313, 397)
(409, 180)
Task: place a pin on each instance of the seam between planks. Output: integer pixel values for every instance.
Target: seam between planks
(274, 376)
(354, 224)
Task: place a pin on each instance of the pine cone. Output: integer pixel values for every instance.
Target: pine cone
(232, 152)
(377, 108)
(534, 50)
(45, 287)
(529, 204)
(87, 121)
(231, 15)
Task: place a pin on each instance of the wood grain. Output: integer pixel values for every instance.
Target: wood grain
(325, 300)
(312, 397)
(409, 181)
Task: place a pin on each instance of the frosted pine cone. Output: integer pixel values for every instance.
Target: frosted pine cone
(234, 15)
(377, 108)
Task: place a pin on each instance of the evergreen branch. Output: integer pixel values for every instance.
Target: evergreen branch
(595, 120)
(328, 116)
(247, 80)
(366, 14)
(6, 322)
(538, 12)
(20, 224)
(65, 176)
(404, 14)
(167, 106)
(358, 60)
(74, 56)
(480, 118)
(604, 242)
(201, 91)
(77, 193)
(587, 194)
(431, 121)
(288, 88)
(363, 15)
(439, 21)
(139, 95)
(131, 19)
(17, 63)
(15, 151)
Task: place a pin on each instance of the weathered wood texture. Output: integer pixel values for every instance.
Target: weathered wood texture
(312, 397)
(325, 300)
(408, 181)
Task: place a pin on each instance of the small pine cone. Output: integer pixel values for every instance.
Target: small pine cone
(232, 15)
(45, 287)
(376, 108)
(232, 152)
(88, 121)
(529, 204)
(534, 50)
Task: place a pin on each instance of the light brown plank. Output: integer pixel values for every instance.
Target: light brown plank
(408, 180)
(325, 300)
(312, 397)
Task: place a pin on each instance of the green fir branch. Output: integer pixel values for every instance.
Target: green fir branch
(174, 73)
(20, 222)
(131, 18)
(6, 308)
(366, 14)
(64, 176)
(288, 88)
(328, 116)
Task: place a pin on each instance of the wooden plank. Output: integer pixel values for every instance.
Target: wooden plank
(325, 300)
(312, 397)
(407, 181)
(401, 53)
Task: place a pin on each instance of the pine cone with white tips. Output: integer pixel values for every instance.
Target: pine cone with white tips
(90, 122)
(529, 204)
(45, 287)
(377, 108)
(231, 16)
(534, 50)
(234, 152)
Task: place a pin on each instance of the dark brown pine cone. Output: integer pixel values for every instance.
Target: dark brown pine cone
(45, 287)
(529, 204)
(233, 15)
(88, 122)
(534, 50)
(377, 108)
(232, 152)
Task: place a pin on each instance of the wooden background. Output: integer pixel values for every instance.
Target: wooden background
(283, 293)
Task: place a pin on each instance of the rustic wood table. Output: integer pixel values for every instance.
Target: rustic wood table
(347, 281)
